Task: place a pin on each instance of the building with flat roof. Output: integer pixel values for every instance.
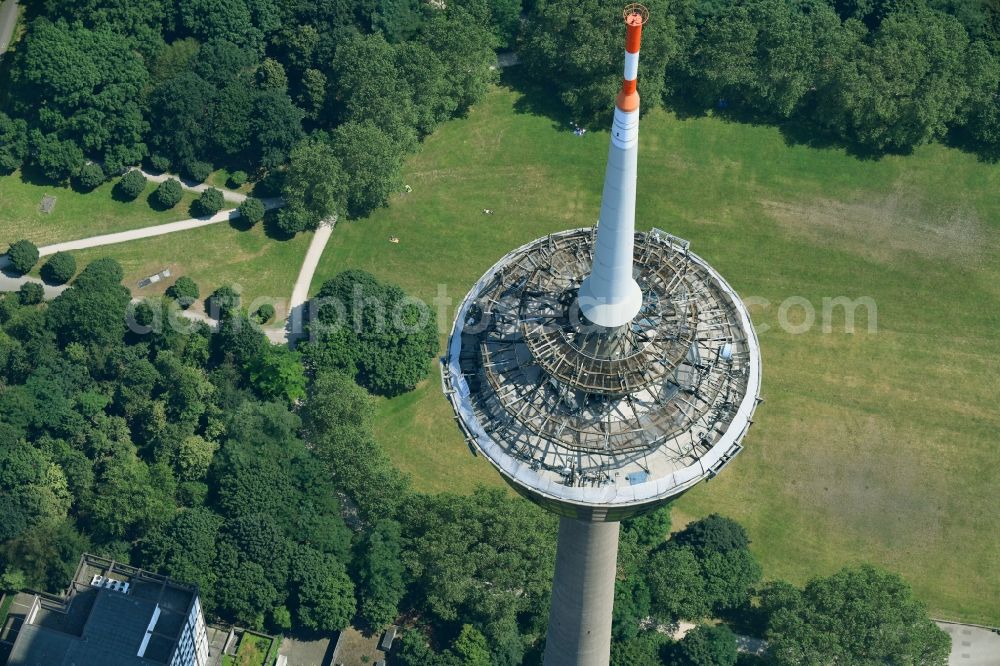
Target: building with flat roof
(111, 614)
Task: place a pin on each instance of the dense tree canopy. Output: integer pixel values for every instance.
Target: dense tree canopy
(859, 616)
(81, 85)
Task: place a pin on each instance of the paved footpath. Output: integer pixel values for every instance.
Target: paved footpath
(972, 646)
(292, 328)
(8, 21)
(300, 292)
(228, 195)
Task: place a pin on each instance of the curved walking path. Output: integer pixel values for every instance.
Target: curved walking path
(300, 291)
(8, 21)
(228, 195)
(293, 325)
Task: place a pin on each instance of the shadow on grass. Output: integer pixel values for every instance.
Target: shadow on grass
(240, 224)
(153, 201)
(32, 175)
(800, 130)
(272, 230)
(536, 99)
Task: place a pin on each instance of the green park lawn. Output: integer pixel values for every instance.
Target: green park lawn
(76, 215)
(872, 446)
(214, 255)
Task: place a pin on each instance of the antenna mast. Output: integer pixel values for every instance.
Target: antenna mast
(610, 296)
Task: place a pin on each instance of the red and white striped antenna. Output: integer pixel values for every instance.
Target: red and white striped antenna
(610, 296)
(636, 16)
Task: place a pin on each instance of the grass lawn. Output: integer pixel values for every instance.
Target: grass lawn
(252, 651)
(212, 256)
(220, 179)
(874, 447)
(75, 215)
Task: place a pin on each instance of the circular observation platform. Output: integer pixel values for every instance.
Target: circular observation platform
(596, 423)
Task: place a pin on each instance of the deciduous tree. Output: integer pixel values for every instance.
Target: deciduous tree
(858, 615)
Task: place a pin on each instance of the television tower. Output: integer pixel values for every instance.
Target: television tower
(603, 372)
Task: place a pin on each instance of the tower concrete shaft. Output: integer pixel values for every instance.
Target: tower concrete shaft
(610, 296)
(583, 594)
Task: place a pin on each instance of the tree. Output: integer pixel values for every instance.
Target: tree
(130, 497)
(264, 313)
(30, 293)
(337, 420)
(13, 142)
(58, 159)
(372, 163)
(209, 203)
(23, 256)
(90, 176)
(278, 373)
(178, 131)
(168, 193)
(196, 170)
(237, 179)
(903, 87)
(471, 647)
(713, 534)
(466, 48)
(576, 47)
(223, 300)
(240, 338)
(59, 269)
(313, 95)
(380, 580)
(131, 185)
(184, 290)
(487, 555)
(270, 74)
(324, 591)
(314, 187)
(381, 333)
(981, 113)
(705, 646)
(92, 310)
(220, 61)
(641, 650)
(185, 548)
(80, 84)
(369, 86)
(677, 586)
(252, 210)
(427, 77)
(230, 20)
(275, 127)
(194, 456)
(861, 615)
(710, 569)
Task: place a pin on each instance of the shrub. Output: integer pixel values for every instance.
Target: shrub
(705, 646)
(222, 300)
(264, 313)
(209, 203)
(159, 163)
(237, 179)
(184, 291)
(30, 293)
(59, 269)
(197, 170)
(252, 210)
(131, 185)
(91, 175)
(168, 193)
(23, 255)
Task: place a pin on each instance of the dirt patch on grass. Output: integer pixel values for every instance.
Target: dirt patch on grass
(356, 649)
(881, 227)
